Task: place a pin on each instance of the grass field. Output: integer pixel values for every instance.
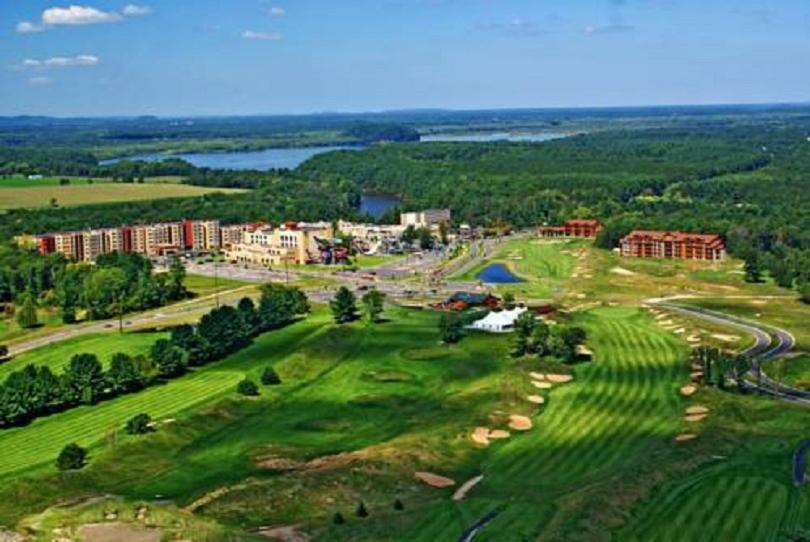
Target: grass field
(545, 266)
(83, 194)
(16, 181)
(371, 405)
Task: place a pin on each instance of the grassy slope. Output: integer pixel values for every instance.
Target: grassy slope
(544, 265)
(40, 196)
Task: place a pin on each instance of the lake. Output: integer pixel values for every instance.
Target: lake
(377, 204)
(289, 158)
(478, 137)
(497, 273)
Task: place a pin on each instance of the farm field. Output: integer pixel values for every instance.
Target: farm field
(544, 265)
(84, 194)
(16, 181)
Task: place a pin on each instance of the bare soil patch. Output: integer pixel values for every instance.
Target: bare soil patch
(118, 532)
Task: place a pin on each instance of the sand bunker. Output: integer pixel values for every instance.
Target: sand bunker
(537, 376)
(697, 409)
(695, 417)
(434, 480)
(116, 532)
(520, 423)
(481, 436)
(725, 338)
(693, 338)
(559, 378)
(462, 491)
(542, 385)
(666, 323)
(536, 399)
(685, 436)
(688, 390)
(498, 434)
(622, 271)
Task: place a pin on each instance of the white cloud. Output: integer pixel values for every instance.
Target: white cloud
(133, 10)
(26, 27)
(76, 15)
(59, 62)
(276, 11)
(40, 81)
(268, 36)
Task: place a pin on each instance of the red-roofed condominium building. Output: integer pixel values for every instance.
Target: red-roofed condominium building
(573, 228)
(673, 244)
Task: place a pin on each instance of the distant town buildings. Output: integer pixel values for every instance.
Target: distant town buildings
(673, 244)
(583, 228)
(427, 218)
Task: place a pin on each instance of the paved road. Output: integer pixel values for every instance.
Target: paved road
(764, 348)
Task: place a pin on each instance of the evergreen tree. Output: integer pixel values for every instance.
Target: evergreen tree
(343, 305)
(373, 303)
(247, 387)
(270, 377)
(72, 457)
(337, 519)
(752, 267)
(398, 506)
(27, 315)
(361, 511)
(451, 328)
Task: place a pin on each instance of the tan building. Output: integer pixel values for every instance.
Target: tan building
(429, 217)
(292, 243)
(158, 239)
(98, 242)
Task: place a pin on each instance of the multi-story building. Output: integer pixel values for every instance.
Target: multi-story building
(583, 228)
(291, 243)
(158, 239)
(673, 244)
(429, 217)
(201, 235)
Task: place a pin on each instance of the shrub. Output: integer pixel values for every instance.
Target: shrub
(361, 511)
(337, 519)
(139, 424)
(247, 387)
(27, 315)
(398, 506)
(72, 457)
(270, 377)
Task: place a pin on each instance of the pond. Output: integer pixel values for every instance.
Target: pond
(497, 273)
(377, 204)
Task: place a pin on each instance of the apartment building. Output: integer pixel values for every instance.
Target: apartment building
(673, 244)
(202, 235)
(577, 228)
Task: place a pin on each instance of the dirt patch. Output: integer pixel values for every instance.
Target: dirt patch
(466, 487)
(520, 423)
(688, 390)
(434, 480)
(683, 437)
(622, 271)
(559, 378)
(725, 338)
(280, 464)
(536, 399)
(697, 409)
(118, 532)
(285, 533)
(695, 417)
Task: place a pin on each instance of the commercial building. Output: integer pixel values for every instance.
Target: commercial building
(673, 244)
(427, 218)
(372, 238)
(578, 228)
(291, 243)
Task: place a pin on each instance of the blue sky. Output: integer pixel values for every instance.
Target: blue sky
(222, 57)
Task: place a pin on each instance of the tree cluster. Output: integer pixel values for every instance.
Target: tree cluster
(36, 391)
(535, 337)
(719, 367)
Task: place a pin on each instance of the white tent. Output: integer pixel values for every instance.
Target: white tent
(498, 322)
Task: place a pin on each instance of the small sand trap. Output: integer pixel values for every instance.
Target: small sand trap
(536, 399)
(481, 436)
(688, 390)
(537, 376)
(697, 409)
(559, 378)
(499, 434)
(462, 491)
(622, 271)
(725, 338)
(695, 417)
(542, 385)
(679, 331)
(434, 480)
(696, 375)
(116, 532)
(520, 423)
(666, 323)
(685, 436)
(693, 338)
